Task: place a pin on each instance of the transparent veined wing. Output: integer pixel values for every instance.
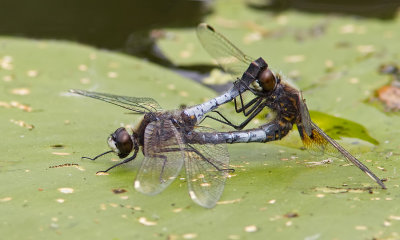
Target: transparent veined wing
(164, 157)
(207, 167)
(135, 104)
(318, 142)
(227, 55)
(304, 115)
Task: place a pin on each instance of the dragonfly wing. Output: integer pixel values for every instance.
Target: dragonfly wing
(317, 143)
(137, 105)
(320, 142)
(227, 55)
(163, 151)
(304, 115)
(206, 171)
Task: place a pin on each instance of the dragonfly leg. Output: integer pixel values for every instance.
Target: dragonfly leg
(253, 104)
(224, 121)
(254, 113)
(123, 162)
(101, 154)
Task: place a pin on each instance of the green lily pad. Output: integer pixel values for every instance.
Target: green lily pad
(277, 191)
(338, 127)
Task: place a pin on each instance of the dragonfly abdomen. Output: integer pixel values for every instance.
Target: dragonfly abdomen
(266, 133)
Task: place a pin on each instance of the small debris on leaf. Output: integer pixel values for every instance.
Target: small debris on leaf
(6, 199)
(118, 190)
(189, 235)
(251, 228)
(22, 124)
(66, 190)
(361, 228)
(32, 73)
(102, 173)
(291, 215)
(57, 146)
(61, 153)
(229, 201)
(145, 222)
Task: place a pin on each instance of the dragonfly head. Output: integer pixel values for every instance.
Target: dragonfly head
(266, 81)
(121, 142)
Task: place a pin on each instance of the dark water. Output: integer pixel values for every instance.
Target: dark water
(106, 24)
(117, 25)
(125, 25)
(128, 26)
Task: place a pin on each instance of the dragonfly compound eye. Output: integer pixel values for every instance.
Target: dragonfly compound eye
(121, 142)
(267, 80)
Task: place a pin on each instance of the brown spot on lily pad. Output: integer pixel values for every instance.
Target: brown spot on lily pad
(57, 146)
(291, 215)
(118, 190)
(390, 96)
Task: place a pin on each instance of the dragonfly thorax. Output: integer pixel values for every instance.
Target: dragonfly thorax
(121, 142)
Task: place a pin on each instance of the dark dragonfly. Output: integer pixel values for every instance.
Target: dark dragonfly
(162, 137)
(269, 92)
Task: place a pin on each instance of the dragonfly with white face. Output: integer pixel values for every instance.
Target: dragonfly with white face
(160, 135)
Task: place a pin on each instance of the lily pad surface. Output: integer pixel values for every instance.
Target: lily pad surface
(278, 191)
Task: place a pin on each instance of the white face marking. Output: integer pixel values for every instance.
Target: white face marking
(112, 145)
(256, 86)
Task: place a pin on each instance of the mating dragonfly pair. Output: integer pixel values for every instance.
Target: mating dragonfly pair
(173, 139)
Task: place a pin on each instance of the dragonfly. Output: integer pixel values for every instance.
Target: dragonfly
(161, 137)
(270, 91)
